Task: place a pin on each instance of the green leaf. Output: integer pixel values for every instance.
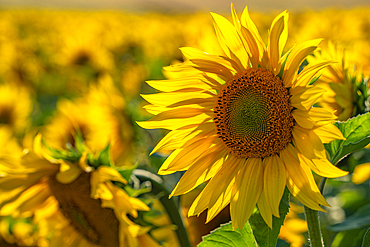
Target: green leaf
(136, 192)
(104, 157)
(351, 238)
(126, 171)
(357, 133)
(366, 241)
(357, 220)
(265, 236)
(224, 236)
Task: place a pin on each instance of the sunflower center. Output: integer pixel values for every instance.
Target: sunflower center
(6, 116)
(253, 114)
(98, 225)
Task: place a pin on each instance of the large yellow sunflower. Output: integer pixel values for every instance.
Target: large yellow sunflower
(76, 198)
(244, 122)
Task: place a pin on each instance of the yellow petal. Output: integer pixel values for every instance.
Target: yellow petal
(83, 164)
(274, 182)
(318, 114)
(174, 123)
(180, 70)
(318, 196)
(198, 58)
(185, 112)
(301, 179)
(303, 119)
(308, 143)
(138, 204)
(109, 174)
(361, 173)
(201, 170)
(229, 40)
(221, 185)
(322, 167)
(301, 196)
(168, 99)
(308, 72)
(202, 105)
(278, 36)
(172, 140)
(328, 133)
(193, 82)
(249, 184)
(34, 163)
(182, 158)
(69, 175)
(265, 208)
(29, 198)
(305, 97)
(252, 38)
(199, 204)
(295, 58)
(101, 191)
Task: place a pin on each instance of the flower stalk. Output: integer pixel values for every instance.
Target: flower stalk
(168, 203)
(314, 229)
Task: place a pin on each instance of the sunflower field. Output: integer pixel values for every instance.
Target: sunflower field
(148, 129)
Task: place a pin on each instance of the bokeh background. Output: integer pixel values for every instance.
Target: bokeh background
(68, 63)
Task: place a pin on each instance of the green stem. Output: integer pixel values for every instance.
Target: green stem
(314, 229)
(322, 185)
(169, 204)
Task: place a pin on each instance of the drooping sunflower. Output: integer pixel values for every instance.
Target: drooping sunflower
(73, 193)
(244, 122)
(345, 90)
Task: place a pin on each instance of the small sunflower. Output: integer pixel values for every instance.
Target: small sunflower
(85, 115)
(244, 122)
(80, 188)
(344, 87)
(80, 46)
(15, 108)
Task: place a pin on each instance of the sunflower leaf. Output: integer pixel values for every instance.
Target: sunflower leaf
(357, 133)
(265, 236)
(224, 236)
(366, 240)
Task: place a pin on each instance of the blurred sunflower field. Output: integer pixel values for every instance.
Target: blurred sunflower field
(77, 170)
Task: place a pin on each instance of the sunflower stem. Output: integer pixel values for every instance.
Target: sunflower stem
(314, 229)
(322, 185)
(168, 203)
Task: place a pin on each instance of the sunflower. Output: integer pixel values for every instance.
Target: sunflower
(244, 122)
(15, 108)
(85, 115)
(344, 87)
(79, 45)
(79, 188)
